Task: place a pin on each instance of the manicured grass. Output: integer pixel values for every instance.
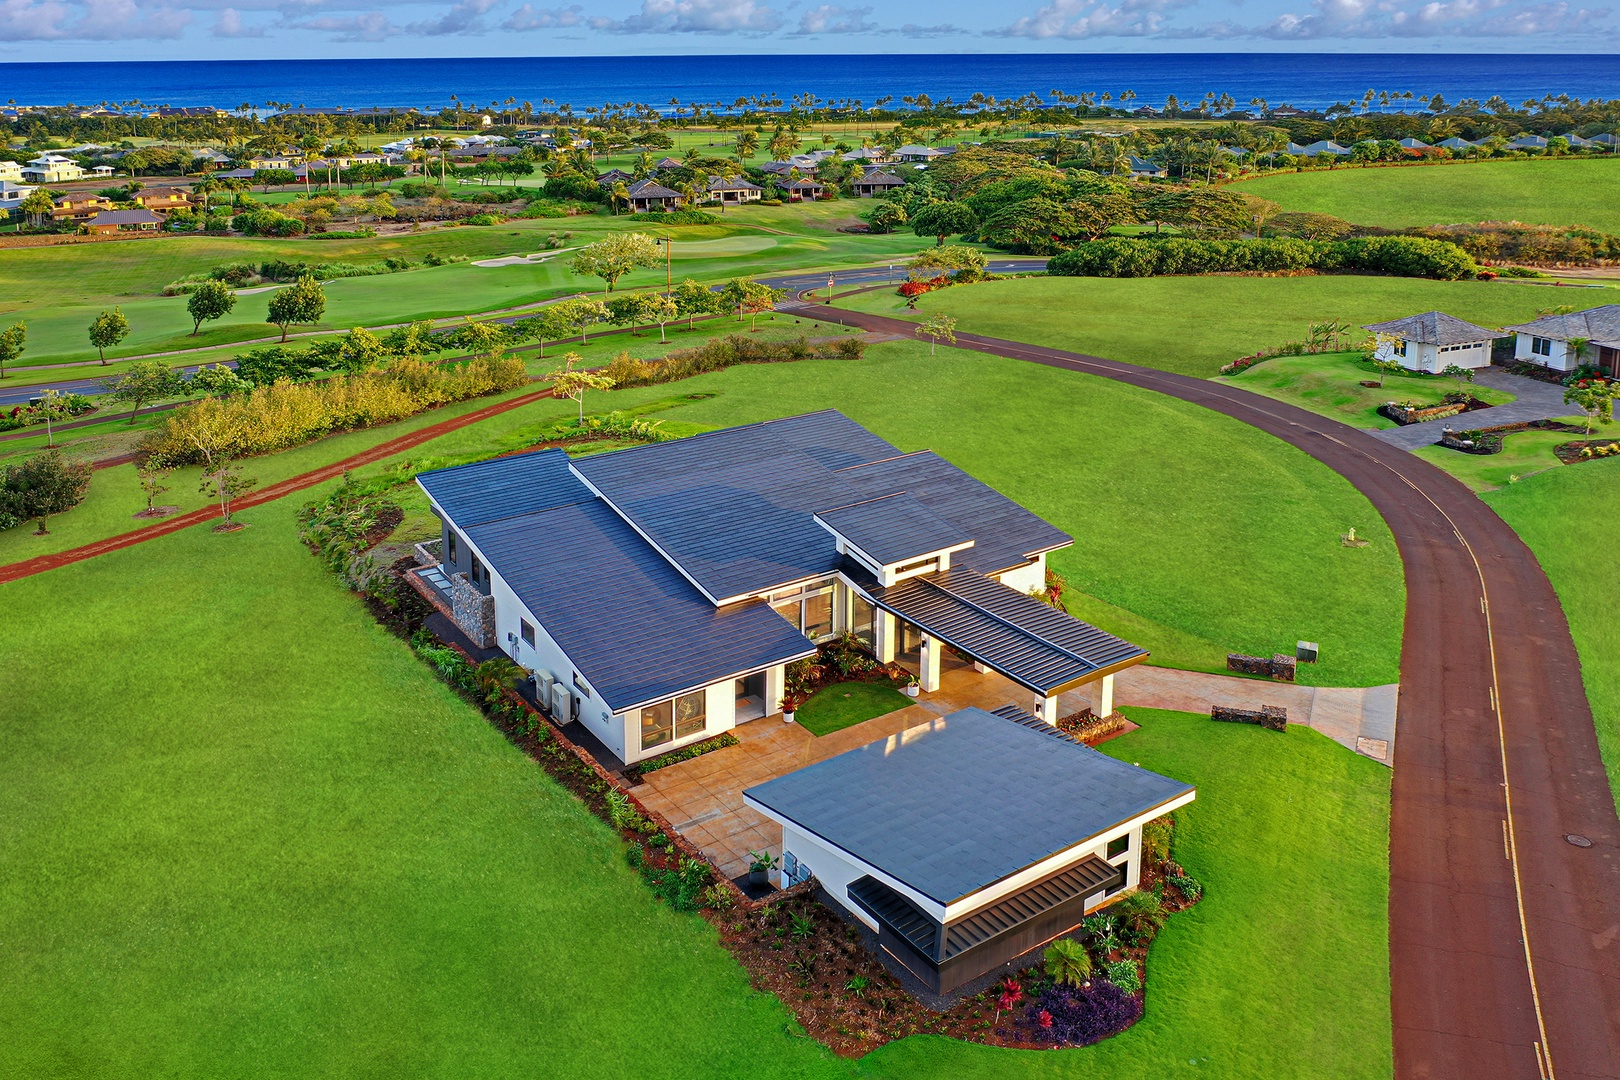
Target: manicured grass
(1551, 192)
(842, 705)
(1283, 968)
(1194, 325)
(1570, 516)
(1524, 454)
(1330, 384)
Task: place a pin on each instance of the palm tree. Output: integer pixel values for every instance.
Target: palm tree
(747, 144)
(783, 145)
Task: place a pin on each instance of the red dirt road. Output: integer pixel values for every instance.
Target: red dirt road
(39, 564)
(1504, 939)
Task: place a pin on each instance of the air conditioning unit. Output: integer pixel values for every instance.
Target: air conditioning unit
(543, 682)
(562, 703)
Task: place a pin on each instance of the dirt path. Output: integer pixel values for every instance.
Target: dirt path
(1504, 938)
(41, 563)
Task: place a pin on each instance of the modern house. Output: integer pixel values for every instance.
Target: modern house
(110, 221)
(734, 191)
(10, 170)
(12, 195)
(658, 592)
(1434, 341)
(916, 154)
(1565, 342)
(799, 190)
(875, 183)
(870, 155)
(1456, 145)
(52, 169)
(1141, 168)
(650, 195)
(968, 841)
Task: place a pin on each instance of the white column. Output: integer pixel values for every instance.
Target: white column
(774, 685)
(1046, 708)
(981, 668)
(883, 633)
(928, 677)
(1105, 696)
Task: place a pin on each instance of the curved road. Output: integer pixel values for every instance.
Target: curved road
(1504, 938)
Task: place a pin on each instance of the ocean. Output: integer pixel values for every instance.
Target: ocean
(1304, 80)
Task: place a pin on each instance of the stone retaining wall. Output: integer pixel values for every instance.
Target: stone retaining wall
(1270, 717)
(1279, 667)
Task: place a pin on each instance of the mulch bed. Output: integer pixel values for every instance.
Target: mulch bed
(156, 512)
(1573, 453)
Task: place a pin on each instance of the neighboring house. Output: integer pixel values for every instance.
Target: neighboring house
(102, 172)
(1456, 144)
(915, 154)
(870, 155)
(162, 200)
(78, 207)
(1606, 140)
(1294, 149)
(108, 221)
(1324, 146)
(272, 161)
(1528, 142)
(52, 169)
(1576, 142)
(875, 183)
(666, 164)
(649, 195)
(1234, 151)
(805, 163)
(10, 170)
(734, 191)
(1284, 112)
(1410, 143)
(615, 176)
(1141, 167)
(1434, 341)
(209, 156)
(1546, 341)
(12, 195)
(968, 841)
(235, 174)
(800, 190)
(658, 592)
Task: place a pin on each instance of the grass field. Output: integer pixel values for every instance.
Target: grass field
(1569, 516)
(1222, 503)
(1566, 192)
(1194, 325)
(1330, 384)
(1524, 454)
(842, 705)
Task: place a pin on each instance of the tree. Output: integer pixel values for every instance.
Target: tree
(1067, 961)
(967, 264)
(1594, 398)
(935, 328)
(52, 407)
(885, 217)
(208, 301)
(1459, 375)
(747, 144)
(660, 309)
(613, 257)
(303, 302)
(784, 144)
(478, 338)
(579, 314)
(13, 339)
(145, 381)
(571, 383)
(942, 219)
(41, 486)
(224, 481)
(693, 299)
(216, 381)
(750, 298)
(153, 476)
(413, 341)
(360, 350)
(37, 207)
(108, 329)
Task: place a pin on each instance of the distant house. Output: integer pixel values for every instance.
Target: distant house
(801, 189)
(110, 221)
(665, 164)
(1528, 142)
(805, 163)
(734, 191)
(235, 174)
(10, 170)
(73, 208)
(1142, 168)
(12, 195)
(1547, 340)
(1434, 341)
(1410, 143)
(1606, 140)
(914, 153)
(1455, 144)
(649, 195)
(271, 161)
(870, 155)
(1234, 151)
(615, 176)
(1325, 146)
(1284, 112)
(102, 172)
(162, 200)
(1575, 141)
(875, 183)
(52, 169)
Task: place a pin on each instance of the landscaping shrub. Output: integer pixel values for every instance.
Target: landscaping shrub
(726, 352)
(482, 219)
(1404, 256)
(263, 222)
(1547, 245)
(685, 753)
(1067, 961)
(341, 529)
(679, 217)
(1125, 975)
(1080, 1016)
(287, 414)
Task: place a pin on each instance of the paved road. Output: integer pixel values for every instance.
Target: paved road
(1534, 400)
(1504, 938)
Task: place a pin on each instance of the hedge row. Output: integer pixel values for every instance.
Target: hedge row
(1403, 256)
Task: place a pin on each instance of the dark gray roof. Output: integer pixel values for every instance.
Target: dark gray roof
(720, 183)
(1004, 534)
(126, 217)
(1026, 640)
(1434, 328)
(637, 629)
(880, 179)
(504, 487)
(733, 507)
(893, 528)
(651, 189)
(1599, 324)
(964, 802)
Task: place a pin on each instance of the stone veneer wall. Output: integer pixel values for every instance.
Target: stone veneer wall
(474, 612)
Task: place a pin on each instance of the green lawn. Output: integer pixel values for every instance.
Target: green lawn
(1194, 325)
(842, 705)
(1524, 454)
(1330, 384)
(1569, 516)
(1283, 969)
(1553, 192)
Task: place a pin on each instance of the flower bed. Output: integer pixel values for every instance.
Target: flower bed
(843, 659)
(685, 753)
(1409, 412)
(1573, 453)
(67, 406)
(1090, 728)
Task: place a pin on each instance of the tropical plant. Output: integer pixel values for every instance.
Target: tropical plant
(936, 328)
(1140, 915)
(1594, 397)
(1125, 975)
(1067, 961)
(40, 487)
(224, 481)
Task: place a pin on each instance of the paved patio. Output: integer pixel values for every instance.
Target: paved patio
(702, 798)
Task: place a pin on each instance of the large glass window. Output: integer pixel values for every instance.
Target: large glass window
(811, 610)
(860, 617)
(671, 720)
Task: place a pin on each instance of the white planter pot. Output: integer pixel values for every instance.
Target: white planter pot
(787, 718)
(913, 690)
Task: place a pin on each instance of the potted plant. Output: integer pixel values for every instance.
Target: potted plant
(909, 686)
(760, 865)
(790, 705)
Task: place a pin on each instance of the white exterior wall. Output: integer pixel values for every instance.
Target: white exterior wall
(1430, 358)
(720, 714)
(1560, 360)
(833, 869)
(1027, 579)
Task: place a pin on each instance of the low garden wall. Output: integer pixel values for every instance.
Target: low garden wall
(1270, 717)
(1279, 667)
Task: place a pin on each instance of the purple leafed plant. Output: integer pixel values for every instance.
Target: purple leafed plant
(1082, 1015)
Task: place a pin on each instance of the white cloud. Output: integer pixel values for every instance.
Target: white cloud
(1438, 18)
(31, 20)
(466, 17)
(694, 17)
(1073, 19)
(125, 20)
(367, 26)
(912, 30)
(229, 25)
(835, 19)
(529, 17)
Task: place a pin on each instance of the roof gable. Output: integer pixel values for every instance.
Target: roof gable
(1595, 324)
(504, 487)
(892, 529)
(1434, 328)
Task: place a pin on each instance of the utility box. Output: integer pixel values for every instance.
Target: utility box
(1305, 652)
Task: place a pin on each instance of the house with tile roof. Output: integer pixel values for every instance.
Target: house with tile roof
(659, 592)
(1434, 341)
(876, 182)
(732, 191)
(1565, 342)
(650, 195)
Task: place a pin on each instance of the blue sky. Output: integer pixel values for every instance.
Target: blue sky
(222, 29)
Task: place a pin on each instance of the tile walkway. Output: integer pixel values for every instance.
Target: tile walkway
(702, 798)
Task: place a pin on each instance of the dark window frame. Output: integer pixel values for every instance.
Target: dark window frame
(526, 632)
(1119, 845)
